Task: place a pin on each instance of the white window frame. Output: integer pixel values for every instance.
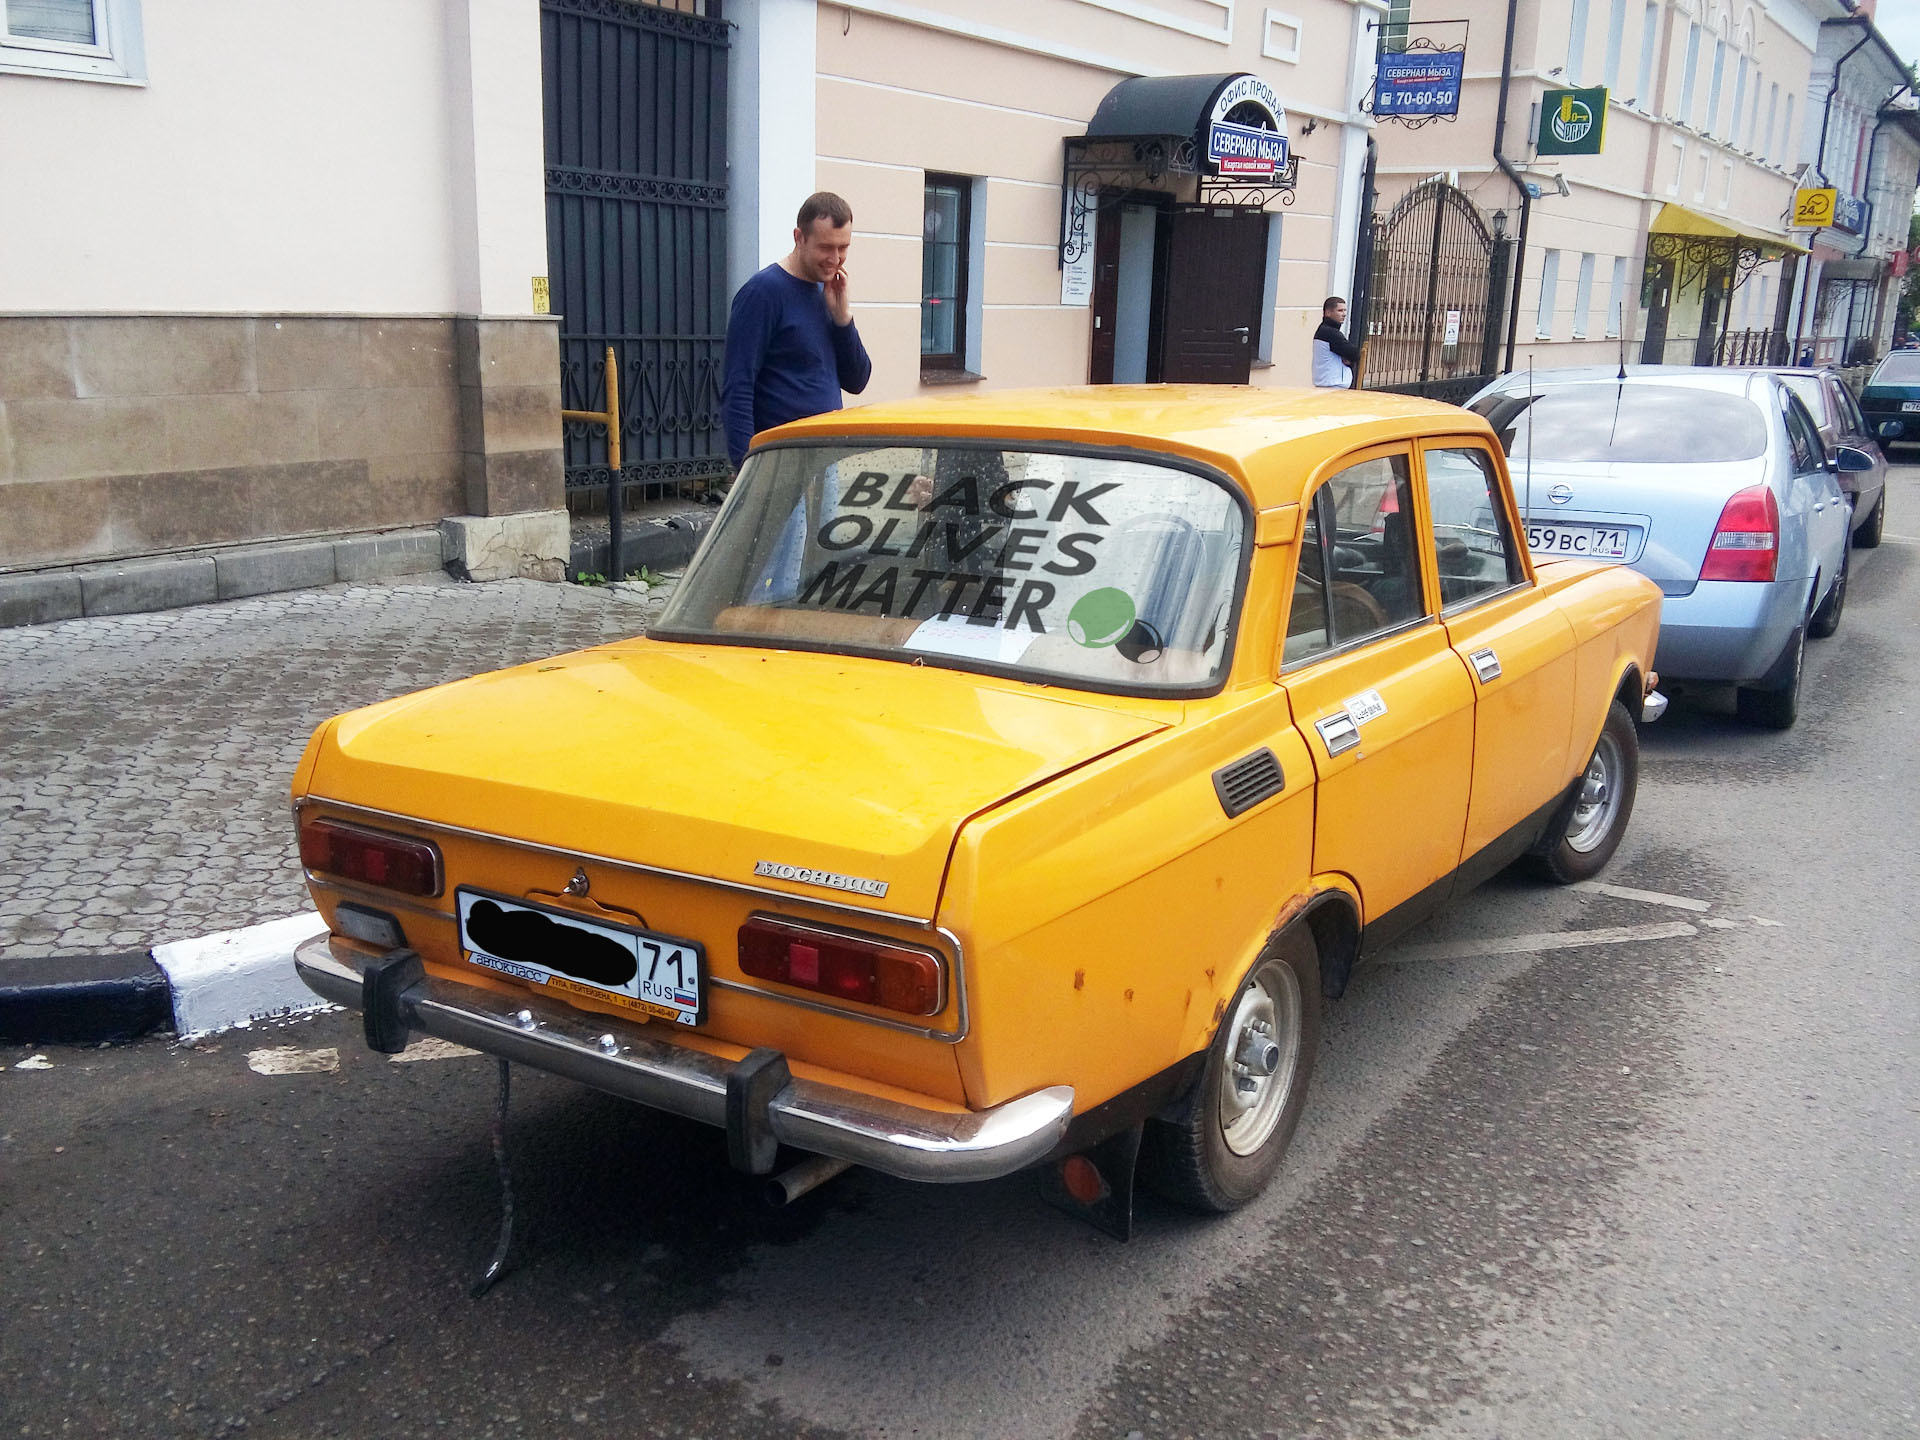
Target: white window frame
(1616, 37)
(1773, 110)
(117, 56)
(1739, 101)
(1577, 42)
(1691, 64)
(1788, 145)
(1583, 297)
(1715, 88)
(1649, 42)
(1617, 297)
(1549, 285)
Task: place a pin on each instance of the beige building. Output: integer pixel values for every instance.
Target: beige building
(1675, 243)
(266, 281)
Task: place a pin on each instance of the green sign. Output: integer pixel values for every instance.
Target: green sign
(1572, 122)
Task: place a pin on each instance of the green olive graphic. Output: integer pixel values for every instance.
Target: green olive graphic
(1100, 618)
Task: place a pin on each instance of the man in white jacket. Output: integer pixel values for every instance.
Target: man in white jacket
(1334, 356)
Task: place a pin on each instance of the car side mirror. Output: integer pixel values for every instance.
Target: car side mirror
(1851, 458)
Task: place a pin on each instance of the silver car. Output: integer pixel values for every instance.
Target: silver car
(1713, 483)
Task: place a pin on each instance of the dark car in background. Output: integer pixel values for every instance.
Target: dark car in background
(1841, 422)
(1891, 399)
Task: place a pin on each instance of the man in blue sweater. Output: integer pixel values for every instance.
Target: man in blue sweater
(791, 342)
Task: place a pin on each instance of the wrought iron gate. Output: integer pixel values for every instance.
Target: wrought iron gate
(636, 158)
(1437, 280)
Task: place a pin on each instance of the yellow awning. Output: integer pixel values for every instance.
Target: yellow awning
(1679, 220)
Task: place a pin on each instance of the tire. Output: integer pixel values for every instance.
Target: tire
(1826, 619)
(1777, 707)
(1223, 1144)
(1586, 832)
(1868, 535)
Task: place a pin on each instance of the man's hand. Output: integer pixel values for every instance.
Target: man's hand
(839, 303)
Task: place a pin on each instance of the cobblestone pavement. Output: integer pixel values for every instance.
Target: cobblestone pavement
(145, 759)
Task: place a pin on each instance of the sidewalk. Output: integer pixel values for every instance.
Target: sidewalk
(145, 759)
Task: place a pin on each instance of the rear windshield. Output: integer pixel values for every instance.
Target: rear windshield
(1812, 394)
(1089, 570)
(1630, 424)
(1900, 368)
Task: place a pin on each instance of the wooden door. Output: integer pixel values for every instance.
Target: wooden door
(1210, 308)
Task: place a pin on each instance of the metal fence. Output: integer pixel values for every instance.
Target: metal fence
(1437, 280)
(636, 173)
(1753, 347)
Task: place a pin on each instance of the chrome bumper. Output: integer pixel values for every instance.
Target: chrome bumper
(621, 1059)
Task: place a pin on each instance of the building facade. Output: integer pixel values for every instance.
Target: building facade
(300, 284)
(1671, 245)
(1861, 138)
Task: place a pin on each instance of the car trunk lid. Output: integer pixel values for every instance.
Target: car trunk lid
(848, 777)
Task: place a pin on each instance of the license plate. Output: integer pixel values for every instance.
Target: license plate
(1910, 404)
(571, 955)
(1597, 542)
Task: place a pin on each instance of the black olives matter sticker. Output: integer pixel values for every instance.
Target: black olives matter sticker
(976, 549)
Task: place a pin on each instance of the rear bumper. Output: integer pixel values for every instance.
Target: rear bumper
(622, 1059)
(1728, 631)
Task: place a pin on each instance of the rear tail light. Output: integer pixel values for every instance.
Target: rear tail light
(370, 857)
(864, 969)
(1746, 542)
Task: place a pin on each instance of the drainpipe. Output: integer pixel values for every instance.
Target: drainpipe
(1820, 166)
(1526, 196)
(1826, 110)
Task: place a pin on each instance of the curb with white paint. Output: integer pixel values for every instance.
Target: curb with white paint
(223, 981)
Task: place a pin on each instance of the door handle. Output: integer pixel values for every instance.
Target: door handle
(1241, 331)
(1485, 664)
(1338, 732)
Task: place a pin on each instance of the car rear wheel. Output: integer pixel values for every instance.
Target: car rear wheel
(1224, 1143)
(1587, 832)
(1868, 535)
(1826, 619)
(1776, 707)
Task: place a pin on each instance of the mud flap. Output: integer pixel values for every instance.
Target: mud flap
(1096, 1185)
(751, 1086)
(382, 984)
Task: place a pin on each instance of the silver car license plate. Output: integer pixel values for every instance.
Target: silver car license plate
(572, 955)
(1594, 542)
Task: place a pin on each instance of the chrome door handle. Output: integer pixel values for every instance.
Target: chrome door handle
(1338, 732)
(1485, 664)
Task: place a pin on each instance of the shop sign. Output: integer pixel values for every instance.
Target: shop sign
(1076, 276)
(1850, 214)
(1572, 122)
(1813, 208)
(1419, 83)
(1243, 150)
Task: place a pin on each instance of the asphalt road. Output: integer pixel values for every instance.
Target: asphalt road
(1661, 1186)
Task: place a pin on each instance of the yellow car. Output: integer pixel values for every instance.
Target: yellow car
(1007, 781)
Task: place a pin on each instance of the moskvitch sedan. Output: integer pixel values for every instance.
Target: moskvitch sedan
(1005, 784)
(1714, 484)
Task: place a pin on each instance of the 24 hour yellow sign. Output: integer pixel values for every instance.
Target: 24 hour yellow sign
(1814, 208)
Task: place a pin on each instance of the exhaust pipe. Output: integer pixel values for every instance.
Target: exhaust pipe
(810, 1174)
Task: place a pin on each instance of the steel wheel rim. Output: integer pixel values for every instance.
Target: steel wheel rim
(1268, 1013)
(1599, 803)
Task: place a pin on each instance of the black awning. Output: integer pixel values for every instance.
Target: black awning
(1158, 105)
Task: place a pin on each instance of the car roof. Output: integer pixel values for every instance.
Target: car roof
(1269, 439)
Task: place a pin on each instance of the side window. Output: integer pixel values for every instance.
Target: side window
(1359, 572)
(1851, 420)
(1808, 452)
(1472, 546)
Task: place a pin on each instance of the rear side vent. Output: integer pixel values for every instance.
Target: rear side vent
(1247, 781)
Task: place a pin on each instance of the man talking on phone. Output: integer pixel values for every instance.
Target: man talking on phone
(792, 346)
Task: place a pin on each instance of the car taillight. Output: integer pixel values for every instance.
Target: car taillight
(1746, 542)
(867, 970)
(371, 857)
